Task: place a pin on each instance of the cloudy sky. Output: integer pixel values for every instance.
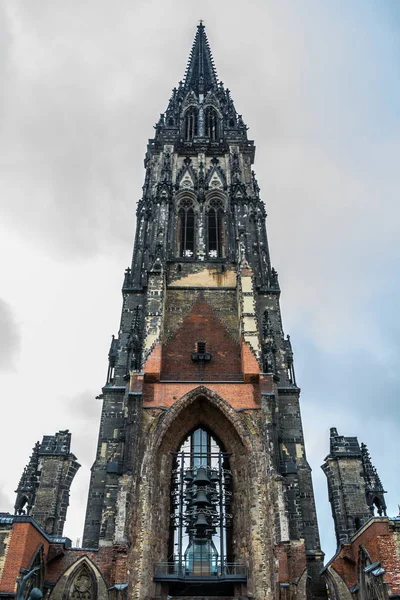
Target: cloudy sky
(82, 85)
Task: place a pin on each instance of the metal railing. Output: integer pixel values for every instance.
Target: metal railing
(200, 569)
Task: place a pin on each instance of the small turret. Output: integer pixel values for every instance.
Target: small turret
(43, 490)
(354, 486)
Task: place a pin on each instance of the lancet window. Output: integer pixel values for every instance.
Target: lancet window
(201, 498)
(211, 123)
(215, 229)
(186, 229)
(190, 124)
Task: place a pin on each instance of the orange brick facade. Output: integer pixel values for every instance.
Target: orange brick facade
(379, 540)
(26, 540)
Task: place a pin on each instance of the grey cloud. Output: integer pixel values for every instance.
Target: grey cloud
(85, 411)
(84, 405)
(5, 503)
(9, 337)
(67, 172)
(357, 393)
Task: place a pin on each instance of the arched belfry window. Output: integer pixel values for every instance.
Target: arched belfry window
(190, 124)
(201, 498)
(215, 229)
(186, 229)
(211, 123)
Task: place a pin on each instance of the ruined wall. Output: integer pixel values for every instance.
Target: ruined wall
(52, 499)
(96, 566)
(43, 490)
(257, 489)
(347, 489)
(23, 541)
(377, 542)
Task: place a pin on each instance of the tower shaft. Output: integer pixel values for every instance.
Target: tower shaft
(201, 348)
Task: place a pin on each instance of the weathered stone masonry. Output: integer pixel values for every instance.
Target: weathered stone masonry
(201, 486)
(201, 343)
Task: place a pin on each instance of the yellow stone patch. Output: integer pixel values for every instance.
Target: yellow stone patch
(248, 306)
(247, 285)
(207, 278)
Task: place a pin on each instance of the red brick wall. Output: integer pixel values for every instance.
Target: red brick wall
(389, 550)
(238, 395)
(250, 366)
(201, 324)
(25, 540)
(291, 558)
(382, 545)
(111, 562)
(152, 366)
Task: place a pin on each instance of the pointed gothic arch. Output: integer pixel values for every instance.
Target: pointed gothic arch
(186, 228)
(215, 225)
(211, 123)
(200, 543)
(220, 417)
(203, 409)
(190, 123)
(80, 581)
(22, 506)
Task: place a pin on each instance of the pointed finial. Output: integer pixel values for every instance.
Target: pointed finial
(200, 72)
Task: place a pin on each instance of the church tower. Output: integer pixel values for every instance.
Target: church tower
(201, 478)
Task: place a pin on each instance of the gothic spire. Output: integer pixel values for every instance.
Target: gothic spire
(200, 73)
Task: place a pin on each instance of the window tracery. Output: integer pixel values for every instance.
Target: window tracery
(82, 586)
(211, 123)
(201, 496)
(186, 228)
(215, 228)
(190, 124)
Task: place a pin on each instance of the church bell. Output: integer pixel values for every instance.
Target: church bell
(201, 477)
(201, 521)
(201, 499)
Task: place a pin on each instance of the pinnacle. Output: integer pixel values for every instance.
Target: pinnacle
(200, 74)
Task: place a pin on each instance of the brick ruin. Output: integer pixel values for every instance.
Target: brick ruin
(200, 486)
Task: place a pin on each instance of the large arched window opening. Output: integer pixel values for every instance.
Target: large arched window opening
(215, 229)
(211, 123)
(190, 124)
(201, 497)
(186, 230)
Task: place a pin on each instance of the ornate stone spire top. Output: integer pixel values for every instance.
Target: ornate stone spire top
(200, 73)
(372, 478)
